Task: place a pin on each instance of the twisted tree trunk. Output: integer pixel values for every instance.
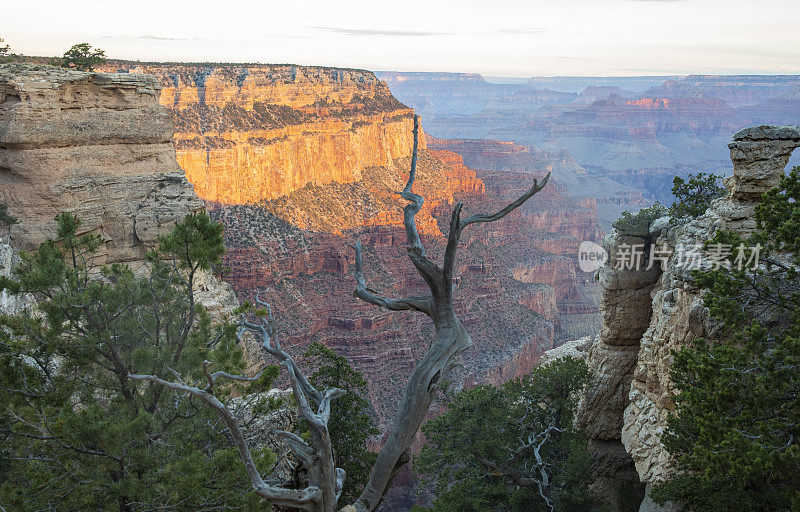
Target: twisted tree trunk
(450, 336)
(325, 479)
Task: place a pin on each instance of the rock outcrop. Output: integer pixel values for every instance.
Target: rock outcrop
(97, 145)
(246, 134)
(648, 313)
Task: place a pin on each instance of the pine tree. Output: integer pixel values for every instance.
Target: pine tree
(349, 424)
(76, 433)
(735, 432)
(511, 448)
(83, 57)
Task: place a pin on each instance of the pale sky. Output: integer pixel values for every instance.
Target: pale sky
(501, 38)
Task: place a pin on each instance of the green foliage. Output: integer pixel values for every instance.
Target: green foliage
(76, 433)
(349, 424)
(83, 57)
(735, 433)
(638, 224)
(479, 455)
(6, 219)
(196, 242)
(694, 196)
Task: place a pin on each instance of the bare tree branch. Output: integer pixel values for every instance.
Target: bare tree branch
(450, 336)
(483, 217)
(422, 304)
(325, 479)
(304, 499)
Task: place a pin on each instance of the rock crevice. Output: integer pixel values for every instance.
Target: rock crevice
(647, 314)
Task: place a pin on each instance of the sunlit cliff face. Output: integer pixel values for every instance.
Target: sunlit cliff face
(250, 134)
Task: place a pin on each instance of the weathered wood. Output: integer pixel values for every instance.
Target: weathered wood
(450, 338)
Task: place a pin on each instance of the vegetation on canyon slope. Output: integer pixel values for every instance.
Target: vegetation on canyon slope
(512, 448)
(76, 433)
(735, 434)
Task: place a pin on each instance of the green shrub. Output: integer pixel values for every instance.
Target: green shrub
(638, 224)
(693, 196)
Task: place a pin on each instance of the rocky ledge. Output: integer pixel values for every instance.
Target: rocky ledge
(98, 145)
(649, 313)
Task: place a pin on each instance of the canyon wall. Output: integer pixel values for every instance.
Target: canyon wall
(246, 134)
(649, 313)
(97, 145)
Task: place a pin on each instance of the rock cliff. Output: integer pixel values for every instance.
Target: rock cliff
(98, 145)
(648, 313)
(246, 134)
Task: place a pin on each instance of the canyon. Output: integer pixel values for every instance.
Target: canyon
(650, 313)
(300, 162)
(630, 135)
(297, 163)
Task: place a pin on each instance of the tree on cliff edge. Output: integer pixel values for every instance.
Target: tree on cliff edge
(83, 57)
(315, 451)
(736, 434)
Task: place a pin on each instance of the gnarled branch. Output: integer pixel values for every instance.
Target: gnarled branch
(422, 304)
(450, 336)
(304, 499)
(325, 480)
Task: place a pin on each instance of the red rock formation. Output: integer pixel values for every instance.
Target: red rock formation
(251, 133)
(298, 162)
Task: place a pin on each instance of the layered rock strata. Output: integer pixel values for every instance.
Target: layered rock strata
(514, 276)
(649, 313)
(97, 145)
(246, 134)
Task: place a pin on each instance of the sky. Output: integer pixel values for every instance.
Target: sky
(515, 38)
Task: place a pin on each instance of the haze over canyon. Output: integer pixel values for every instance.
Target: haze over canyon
(300, 162)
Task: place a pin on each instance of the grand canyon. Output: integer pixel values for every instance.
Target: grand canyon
(300, 162)
(620, 140)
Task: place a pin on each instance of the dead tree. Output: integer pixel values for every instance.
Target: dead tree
(450, 336)
(325, 480)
